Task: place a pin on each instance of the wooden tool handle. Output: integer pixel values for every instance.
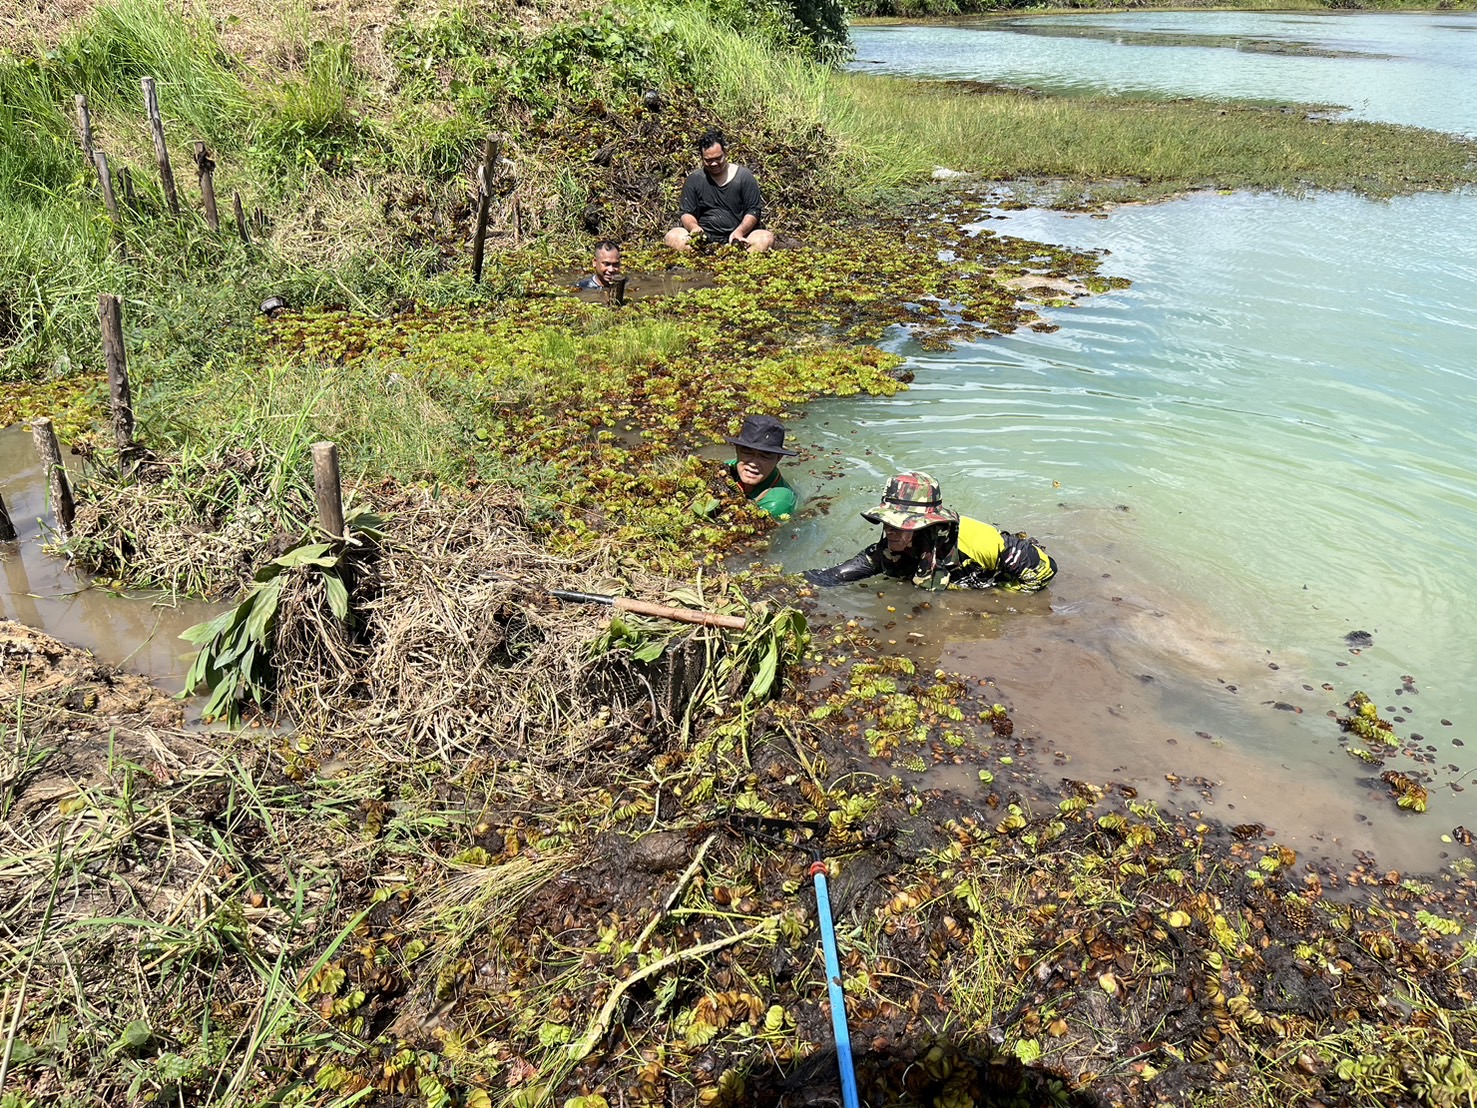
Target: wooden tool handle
(681, 615)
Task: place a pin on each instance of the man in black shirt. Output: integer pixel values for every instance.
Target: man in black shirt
(721, 202)
(607, 266)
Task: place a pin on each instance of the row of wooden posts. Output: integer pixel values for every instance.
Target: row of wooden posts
(327, 487)
(204, 166)
(205, 169)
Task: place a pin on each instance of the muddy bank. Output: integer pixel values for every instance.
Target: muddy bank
(1089, 952)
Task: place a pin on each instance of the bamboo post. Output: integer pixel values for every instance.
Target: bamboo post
(326, 490)
(84, 127)
(110, 320)
(205, 168)
(618, 292)
(50, 452)
(161, 152)
(7, 529)
(240, 218)
(490, 154)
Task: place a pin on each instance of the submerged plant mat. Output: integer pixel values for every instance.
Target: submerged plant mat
(212, 918)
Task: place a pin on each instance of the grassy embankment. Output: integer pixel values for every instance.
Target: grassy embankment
(383, 903)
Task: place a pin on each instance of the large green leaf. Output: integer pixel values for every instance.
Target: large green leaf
(204, 632)
(338, 595)
(309, 554)
(263, 610)
(768, 669)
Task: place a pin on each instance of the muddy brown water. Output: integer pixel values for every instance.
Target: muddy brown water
(639, 286)
(137, 632)
(1115, 680)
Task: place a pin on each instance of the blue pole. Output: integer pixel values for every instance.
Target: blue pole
(839, 1029)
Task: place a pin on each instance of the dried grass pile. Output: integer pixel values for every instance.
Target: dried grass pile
(198, 523)
(455, 649)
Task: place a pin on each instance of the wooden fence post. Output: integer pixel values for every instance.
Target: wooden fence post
(84, 126)
(62, 505)
(105, 179)
(130, 198)
(491, 152)
(110, 201)
(161, 152)
(326, 490)
(618, 292)
(7, 529)
(205, 167)
(110, 320)
(240, 218)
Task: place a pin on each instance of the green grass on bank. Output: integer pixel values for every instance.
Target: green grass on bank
(1158, 146)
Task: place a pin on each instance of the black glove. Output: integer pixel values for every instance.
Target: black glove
(858, 568)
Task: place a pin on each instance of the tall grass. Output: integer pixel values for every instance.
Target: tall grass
(52, 267)
(125, 40)
(37, 156)
(738, 73)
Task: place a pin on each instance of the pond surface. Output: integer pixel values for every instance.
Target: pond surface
(1260, 448)
(1418, 68)
(138, 633)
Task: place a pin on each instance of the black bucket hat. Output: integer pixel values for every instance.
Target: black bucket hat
(762, 432)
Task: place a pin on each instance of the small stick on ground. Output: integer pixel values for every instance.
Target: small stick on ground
(84, 127)
(491, 151)
(601, 1023)
(205, 168)
(125, 180)
(240, 218)
(110, 320)
(672, 897)
(110, 201)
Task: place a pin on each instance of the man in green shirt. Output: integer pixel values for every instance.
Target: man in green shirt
(759, 447)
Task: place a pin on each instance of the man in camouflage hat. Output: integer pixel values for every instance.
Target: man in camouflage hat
(937, 548)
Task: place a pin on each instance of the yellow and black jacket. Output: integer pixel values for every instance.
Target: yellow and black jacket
(964, 555)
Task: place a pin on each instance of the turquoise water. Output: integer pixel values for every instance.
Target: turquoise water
(1406, 67)
(1260, 447)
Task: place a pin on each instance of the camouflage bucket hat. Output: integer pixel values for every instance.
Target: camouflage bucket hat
(912, 500)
